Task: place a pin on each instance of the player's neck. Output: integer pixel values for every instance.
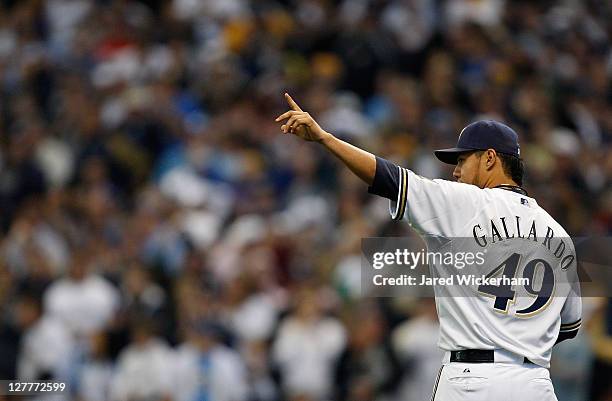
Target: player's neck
(499, 180)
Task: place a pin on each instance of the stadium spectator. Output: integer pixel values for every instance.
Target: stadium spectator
(208, 370)
(144, 367)
(307, 347)
(415, 342)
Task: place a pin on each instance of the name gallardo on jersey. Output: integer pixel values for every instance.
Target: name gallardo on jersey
(519, 240)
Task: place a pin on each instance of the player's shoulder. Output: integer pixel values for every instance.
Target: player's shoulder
(502, 193)
(443, 184)
(536, 211)
(521, 202)
(525, 202)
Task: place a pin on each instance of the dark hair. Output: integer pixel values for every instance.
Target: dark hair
(513, 167)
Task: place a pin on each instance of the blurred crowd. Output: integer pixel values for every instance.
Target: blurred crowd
(160, 240)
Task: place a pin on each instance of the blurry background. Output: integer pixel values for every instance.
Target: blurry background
(160, 240)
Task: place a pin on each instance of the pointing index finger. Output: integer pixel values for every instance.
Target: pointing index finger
(292, 103)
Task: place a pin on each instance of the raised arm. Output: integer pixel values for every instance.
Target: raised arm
(429, 198)
(302, 125)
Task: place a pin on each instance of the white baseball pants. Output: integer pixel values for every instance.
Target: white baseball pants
(503, 381)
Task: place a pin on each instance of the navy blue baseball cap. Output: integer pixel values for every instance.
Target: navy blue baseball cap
(482, 135)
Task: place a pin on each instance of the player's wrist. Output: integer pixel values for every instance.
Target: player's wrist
(325, 138)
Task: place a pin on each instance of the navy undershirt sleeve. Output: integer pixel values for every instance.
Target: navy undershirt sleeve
(386, 179)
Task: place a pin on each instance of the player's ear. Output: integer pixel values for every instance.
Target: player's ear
(491, 158)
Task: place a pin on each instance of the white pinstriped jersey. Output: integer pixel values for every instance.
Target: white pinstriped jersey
(518, 239)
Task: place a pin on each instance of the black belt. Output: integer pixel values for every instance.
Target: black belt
(476, 356)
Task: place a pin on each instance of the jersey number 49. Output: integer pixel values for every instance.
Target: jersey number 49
(504, 294)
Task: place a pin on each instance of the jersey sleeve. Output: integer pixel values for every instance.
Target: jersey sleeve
(439, 207)
(386, 179)
(435, 207)
(390, 182)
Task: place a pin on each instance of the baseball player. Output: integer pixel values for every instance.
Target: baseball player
(497, 337)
